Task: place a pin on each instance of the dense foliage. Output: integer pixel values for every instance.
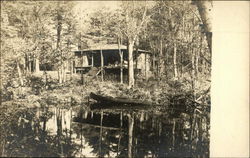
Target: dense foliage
(48, 32)
(35, 33)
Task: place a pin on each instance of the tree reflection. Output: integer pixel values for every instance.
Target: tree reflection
(130, 134)
(29, 136)
(51, 132)
(138, 135)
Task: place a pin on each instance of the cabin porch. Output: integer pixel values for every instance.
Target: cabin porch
(110, 62)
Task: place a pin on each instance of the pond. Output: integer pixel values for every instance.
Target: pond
(83, 132)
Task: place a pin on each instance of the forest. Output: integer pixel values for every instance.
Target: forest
(47, 33)
(41, 35)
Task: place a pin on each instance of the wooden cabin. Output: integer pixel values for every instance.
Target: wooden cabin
(109, 58)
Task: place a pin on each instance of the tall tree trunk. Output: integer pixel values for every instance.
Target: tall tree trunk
(166, 63)
(200, 52)
(121, 67)
(136, 62)
(197, 57)
(59, 29)
(60, 69)
(121, 60)
(26, 67)
(64, 66)
(33, 63)
(175, 62)
(183, 41)
(71, 69)
(19, 73)
(146, 66)
(181, 65)
(154, 63)
(205, 8)
(161, 63)
(60, 74)
(131, 81)
(193, 72)
(63, 72)
(37, 67)
(102, 64)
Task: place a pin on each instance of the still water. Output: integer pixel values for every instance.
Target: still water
(102, 133)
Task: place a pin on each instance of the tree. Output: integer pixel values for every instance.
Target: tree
(135, 18)
(176, 37)
(205, 8)
(64, 33)
(165, 26)
(116, 26)
(124, 24)
(13, 43)
(107, 27)
(39, 32)
(100, 31)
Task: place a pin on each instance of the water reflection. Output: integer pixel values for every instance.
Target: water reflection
(84, 133)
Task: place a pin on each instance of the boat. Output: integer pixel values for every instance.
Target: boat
(118, 100)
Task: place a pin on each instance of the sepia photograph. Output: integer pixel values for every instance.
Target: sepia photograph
(105, 78)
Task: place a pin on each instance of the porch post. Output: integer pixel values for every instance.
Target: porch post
(92, 59)
(74, 66)
(82, 58)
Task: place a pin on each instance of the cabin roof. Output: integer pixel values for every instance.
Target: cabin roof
(107, 47)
